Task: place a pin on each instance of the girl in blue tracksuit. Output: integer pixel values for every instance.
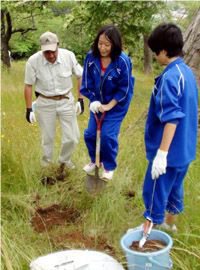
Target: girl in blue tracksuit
(171, 129)
(108, 84)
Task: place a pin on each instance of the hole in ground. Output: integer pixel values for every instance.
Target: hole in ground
(46, 218)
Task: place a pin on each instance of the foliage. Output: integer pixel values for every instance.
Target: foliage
(132, 18)
(61, 8)
(76, 22)
(76, 25)
(24, 17)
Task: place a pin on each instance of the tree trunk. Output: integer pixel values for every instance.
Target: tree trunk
(6, 30)
(5, 53)
(6, 33)
(147, 56)
(191, 47)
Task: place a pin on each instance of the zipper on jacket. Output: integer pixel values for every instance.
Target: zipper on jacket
(102, 81)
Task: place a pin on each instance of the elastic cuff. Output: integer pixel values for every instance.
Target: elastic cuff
(29, 109)
(174, 121)
(162, 153)
(174, 212)
(156, 219)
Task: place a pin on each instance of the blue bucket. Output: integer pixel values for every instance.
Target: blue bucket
(158, 260)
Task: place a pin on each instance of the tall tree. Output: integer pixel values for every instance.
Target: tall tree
(17, 17)
(192, 45)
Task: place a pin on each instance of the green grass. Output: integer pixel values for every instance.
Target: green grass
(110, 214)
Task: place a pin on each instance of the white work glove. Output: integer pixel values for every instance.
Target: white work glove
(159, 164)
(94, 106)
(30, 116)
(79, 107)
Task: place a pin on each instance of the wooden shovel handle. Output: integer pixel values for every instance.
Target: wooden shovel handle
(99, 126)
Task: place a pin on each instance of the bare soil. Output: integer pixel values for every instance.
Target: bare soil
(54, 175)
(130, 194)
(149, 246)
(77, 240)
(45, 219)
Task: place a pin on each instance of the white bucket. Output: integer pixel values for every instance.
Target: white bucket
(76, 260)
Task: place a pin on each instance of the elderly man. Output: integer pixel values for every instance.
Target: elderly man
(50, 70)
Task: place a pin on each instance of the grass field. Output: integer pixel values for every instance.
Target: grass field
(108, 215)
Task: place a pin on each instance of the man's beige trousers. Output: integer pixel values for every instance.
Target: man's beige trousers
(48, 111)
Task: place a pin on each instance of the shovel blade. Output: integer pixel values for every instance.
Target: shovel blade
(94, 184)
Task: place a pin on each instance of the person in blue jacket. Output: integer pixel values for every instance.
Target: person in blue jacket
(171, 129)
(108, 84)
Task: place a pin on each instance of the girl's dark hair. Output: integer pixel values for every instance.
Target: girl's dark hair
(166, 36)
(112, 33)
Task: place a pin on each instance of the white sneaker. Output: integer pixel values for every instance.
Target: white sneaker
(89, 168)
(108, 175)
(168, 227)
(69, 164)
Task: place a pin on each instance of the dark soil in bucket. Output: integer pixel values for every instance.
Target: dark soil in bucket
(149, 246)
(46, 218)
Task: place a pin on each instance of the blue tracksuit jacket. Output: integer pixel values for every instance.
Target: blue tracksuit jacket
(174, 99)
(117, 83)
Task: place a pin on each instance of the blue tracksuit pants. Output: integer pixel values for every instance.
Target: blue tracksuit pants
(109, 141)
(168, 194)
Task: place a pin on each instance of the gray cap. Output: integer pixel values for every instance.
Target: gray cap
(48, 41)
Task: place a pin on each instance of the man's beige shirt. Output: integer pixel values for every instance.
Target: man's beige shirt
(52, 79)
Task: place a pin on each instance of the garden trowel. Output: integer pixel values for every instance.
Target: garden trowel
(145, 235)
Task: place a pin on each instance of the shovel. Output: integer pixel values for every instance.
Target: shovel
(94, 184)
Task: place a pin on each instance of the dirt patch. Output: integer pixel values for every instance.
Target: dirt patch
(46, 218)
(149, 246)
(130, 194)
(48, 181)
(77, 240)
(51, 176)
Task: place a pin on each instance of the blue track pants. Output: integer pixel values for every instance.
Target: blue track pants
(168, 195)
(109, 141)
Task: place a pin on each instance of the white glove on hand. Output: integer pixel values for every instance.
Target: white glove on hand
(94, 106)
(78, 108)
(159, 164)
(30, 116)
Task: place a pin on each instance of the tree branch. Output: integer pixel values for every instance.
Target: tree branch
(23, 31)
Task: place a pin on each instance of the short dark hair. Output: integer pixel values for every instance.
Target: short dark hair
(113, 34)
(166, 36)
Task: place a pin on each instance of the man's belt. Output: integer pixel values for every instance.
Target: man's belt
(58, 97)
